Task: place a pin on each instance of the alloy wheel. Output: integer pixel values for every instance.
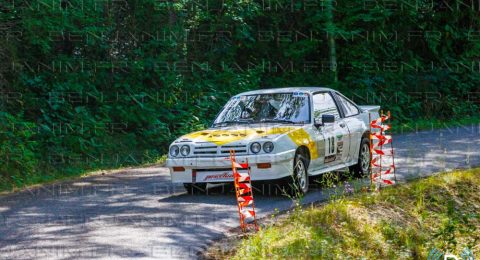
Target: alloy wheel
(301, 174)
(365, 158)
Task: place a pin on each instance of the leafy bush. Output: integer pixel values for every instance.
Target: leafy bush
(113, 83)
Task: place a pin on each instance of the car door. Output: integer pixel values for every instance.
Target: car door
(356, 126)
(330, 136)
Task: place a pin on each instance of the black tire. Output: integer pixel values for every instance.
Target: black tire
(196, 188)
(300, 182)
(362, 168)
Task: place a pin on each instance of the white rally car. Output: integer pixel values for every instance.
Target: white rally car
(285, 133)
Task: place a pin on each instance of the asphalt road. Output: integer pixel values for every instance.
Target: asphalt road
(139, 213)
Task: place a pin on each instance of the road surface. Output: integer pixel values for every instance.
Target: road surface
(139, 214)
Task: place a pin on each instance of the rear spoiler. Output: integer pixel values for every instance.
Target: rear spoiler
(371, 109)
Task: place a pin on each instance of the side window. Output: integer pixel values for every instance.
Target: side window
(323, 104)
(349, 107)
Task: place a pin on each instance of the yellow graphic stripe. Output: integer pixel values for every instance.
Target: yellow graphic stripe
(220, 137)
(301, 137)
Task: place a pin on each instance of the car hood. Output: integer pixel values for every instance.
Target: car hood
(242, 133)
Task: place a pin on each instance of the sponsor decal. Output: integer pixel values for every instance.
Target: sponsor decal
(224, 175)
(333, 149)
(330, 158)
(298, 94)
(339, 150)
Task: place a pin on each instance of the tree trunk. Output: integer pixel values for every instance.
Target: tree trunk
(331, 39)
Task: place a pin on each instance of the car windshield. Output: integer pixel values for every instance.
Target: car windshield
(289, 108)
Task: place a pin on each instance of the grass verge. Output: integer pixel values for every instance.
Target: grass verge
(400, 222)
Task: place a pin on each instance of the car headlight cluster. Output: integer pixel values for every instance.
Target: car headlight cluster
(175, 150)
(185, 150)
(257, 147)
(268, 147)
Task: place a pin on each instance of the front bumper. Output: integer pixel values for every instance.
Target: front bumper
(219, 169)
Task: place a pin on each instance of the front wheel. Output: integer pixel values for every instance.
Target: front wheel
(362, 168)
(300, 176)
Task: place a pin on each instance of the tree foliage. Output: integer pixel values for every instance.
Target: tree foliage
(89, 84)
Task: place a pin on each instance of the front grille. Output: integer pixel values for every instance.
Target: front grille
(233, 146)
(208, 150)
(239, 149)
(236, 151)
(205, 150)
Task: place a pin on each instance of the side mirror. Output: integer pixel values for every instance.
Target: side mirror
(328, 119)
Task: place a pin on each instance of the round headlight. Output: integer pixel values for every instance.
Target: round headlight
(174, 150)
(268, 147)
(185, 150)
(255, 147)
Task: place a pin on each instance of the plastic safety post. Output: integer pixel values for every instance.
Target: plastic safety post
(244, 193)
(382, 162)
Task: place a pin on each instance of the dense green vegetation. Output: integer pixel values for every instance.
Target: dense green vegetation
(89, 84)
(404, 222)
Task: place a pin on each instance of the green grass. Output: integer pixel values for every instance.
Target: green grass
(401, 222)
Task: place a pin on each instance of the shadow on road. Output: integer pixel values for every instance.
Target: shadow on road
(140, 213)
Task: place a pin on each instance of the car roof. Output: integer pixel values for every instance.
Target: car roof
(285, 90)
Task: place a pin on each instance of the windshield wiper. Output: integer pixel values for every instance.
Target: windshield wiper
(240, 121)
(278, 121)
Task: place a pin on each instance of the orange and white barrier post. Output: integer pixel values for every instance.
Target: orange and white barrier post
(244, 193)
(382, 160)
